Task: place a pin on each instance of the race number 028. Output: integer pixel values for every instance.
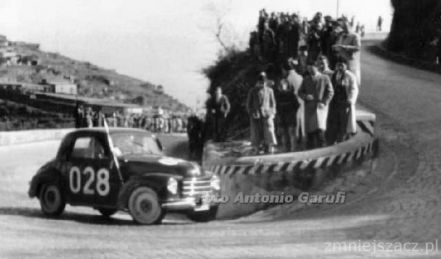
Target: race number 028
(102, 181)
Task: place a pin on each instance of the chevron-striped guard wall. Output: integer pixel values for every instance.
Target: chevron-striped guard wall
(241, 173)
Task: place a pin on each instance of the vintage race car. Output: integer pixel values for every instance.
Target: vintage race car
(123, 169)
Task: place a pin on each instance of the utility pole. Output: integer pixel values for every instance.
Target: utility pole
(338, 9)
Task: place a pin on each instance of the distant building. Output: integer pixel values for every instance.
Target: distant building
(29, 87)
(24, 87)
(8, 55)
(61, 87)
(31, 60)
(10, 86)
(4, 41)
(159, 89)
(31, 46)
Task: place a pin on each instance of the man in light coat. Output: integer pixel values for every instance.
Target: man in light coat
(342, 118)
(316, 90)
(295, 81)
(261, 106)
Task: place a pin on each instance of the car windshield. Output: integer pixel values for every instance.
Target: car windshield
(135, 143)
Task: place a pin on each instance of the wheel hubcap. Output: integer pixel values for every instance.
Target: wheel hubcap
(146, 206)
(51, 198)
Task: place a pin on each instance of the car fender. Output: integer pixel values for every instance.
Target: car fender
(156, 181)
(49, 175)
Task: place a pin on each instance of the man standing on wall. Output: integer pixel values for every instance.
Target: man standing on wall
(348, 47)
(218, 108)
(261, 106)
(287, 106)
(317, 92)
(295, 81)
(342, 120)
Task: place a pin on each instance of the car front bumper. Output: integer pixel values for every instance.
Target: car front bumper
(190, 204)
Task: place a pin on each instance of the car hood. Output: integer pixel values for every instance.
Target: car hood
(144, 164)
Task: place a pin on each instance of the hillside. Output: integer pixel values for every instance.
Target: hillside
(27, 63)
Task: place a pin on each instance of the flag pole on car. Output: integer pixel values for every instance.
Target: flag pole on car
(115, 159)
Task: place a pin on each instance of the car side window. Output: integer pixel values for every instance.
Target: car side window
(82, 148)
(88, 148)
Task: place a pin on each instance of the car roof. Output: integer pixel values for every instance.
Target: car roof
(111, 130)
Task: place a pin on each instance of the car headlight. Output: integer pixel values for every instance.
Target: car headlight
(196, 170)
(172, 186)
(215, 183)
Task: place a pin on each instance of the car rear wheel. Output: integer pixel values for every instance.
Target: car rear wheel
(145, 207)
(203, 216)
(52, 202)
(105, 212)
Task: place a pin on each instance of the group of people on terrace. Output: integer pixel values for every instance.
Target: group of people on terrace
(306, 94)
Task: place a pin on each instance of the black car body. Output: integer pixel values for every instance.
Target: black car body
(123, 169)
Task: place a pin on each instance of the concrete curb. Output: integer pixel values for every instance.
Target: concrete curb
(363, 143)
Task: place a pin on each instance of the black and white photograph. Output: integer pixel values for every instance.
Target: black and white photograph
(220, 129)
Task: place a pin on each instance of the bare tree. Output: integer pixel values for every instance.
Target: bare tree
(218, 25)
(218, 33)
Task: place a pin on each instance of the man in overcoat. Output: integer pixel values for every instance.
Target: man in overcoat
(316, 90)
(218, 108)
(342, 118)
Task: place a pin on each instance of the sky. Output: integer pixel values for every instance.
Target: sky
(165, 42)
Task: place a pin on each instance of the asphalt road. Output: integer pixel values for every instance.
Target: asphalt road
(399, 203)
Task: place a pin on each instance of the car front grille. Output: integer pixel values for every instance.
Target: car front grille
(196, 186)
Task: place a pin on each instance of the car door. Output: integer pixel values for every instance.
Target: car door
(91, 176)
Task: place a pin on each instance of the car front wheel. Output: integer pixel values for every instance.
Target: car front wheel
(51, 200)
(145, 207)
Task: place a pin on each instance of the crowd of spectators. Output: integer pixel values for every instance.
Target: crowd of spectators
(308, 92)
(280, 36)
(86, 117)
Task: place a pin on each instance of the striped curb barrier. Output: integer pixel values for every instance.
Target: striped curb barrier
(226, 159)
(295, 165)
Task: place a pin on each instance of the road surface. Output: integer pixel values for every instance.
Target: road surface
(399, 203)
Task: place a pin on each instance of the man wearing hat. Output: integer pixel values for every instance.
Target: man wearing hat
(316, 90)
(295, 81)
(348, 47)
(218, 107)
(261, 107)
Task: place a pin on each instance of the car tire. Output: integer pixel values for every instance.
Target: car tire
(203, 216)
(107, 213)
(144, 206)
(52, 201)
